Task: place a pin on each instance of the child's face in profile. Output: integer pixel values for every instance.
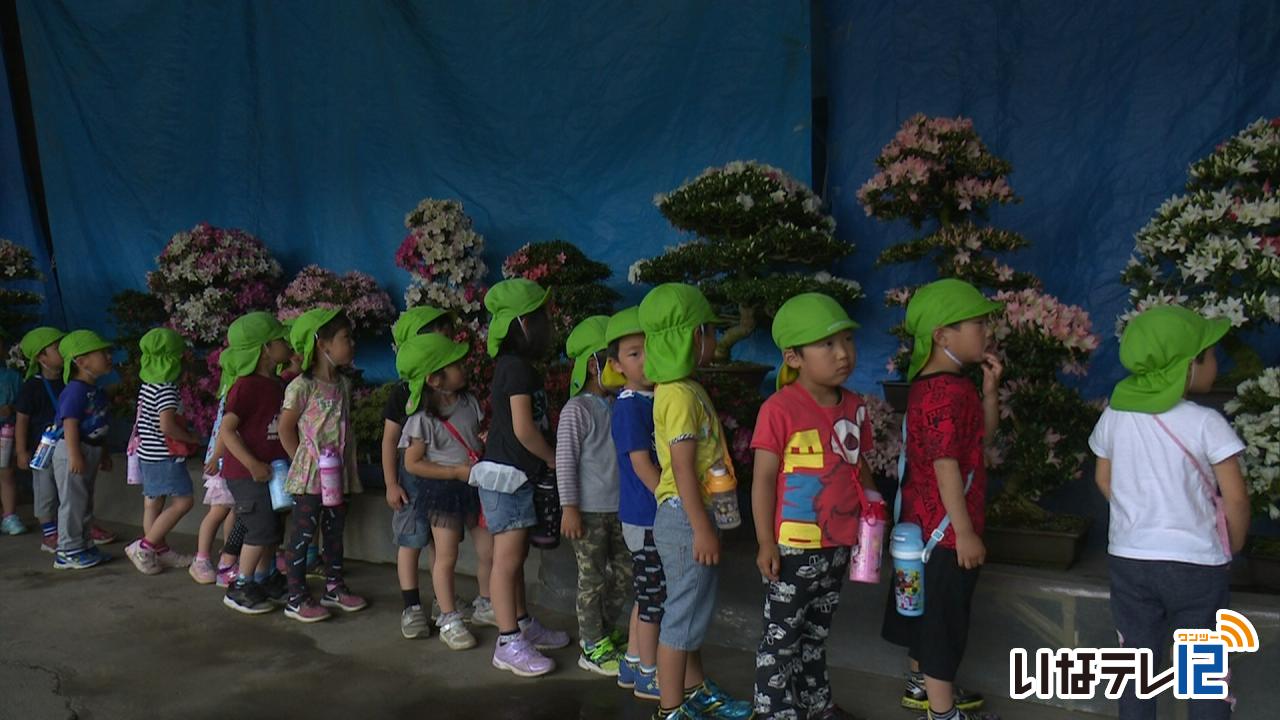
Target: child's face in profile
(340, 349)
(1203, 371)
(50, 357)
(451, 379)
(630, 361)
(278, 351)
(967, 340)
(704, 344)
(94, 364)
(827, 362)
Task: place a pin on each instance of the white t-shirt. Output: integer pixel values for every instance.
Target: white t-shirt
(1160, 506)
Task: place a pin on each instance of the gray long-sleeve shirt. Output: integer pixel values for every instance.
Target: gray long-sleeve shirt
(586, 462)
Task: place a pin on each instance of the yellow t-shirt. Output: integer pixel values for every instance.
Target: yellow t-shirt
(681, 411)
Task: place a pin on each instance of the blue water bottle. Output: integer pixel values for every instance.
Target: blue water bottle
(907, 548)
(280, 500)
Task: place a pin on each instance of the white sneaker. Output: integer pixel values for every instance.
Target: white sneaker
(143, 559)
(413, 623)
(482, 613)
(455, 634)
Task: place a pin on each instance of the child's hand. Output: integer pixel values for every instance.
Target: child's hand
(992, 370)
(462, 473)
(211, 467)
(769, 561)
(24, 460)
(970, 551)
(104, 465)
(706, 547)
(75, 463)
(571, 523)
(260, 471)
(397, 497)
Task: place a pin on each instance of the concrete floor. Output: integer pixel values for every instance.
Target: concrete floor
(108, 644)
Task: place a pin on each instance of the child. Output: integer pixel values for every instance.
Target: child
(36, 406)
(164, 467)
(79, 454)
(316, 417)
(221, 511)
(678, 337)
(1162, 463)
(10, 387)
(516, 456)
(442, 441)
(588, 483)
(810, 481)
(948, 429)
(632, 431)
(249, 431)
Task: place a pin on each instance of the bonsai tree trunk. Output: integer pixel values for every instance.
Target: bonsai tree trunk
(736, 334)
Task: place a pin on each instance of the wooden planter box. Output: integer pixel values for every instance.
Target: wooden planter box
(1036, 548)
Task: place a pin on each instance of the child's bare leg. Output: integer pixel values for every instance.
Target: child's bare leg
(633, 632)
(521, 608)
(443, 566)
(177, 508)
(216, 516)
(508, 574)
(407, 567)
(151, 508)
(941, 693)
(672, 673)
(483, 541)
(647, 634)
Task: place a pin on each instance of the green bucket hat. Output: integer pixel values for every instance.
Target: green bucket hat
(507, 301)
(302, 335)
(1157, 347)
(669, 315)
(804, 319)
(623, 323)
(162, 351)
(34, 343)
(77, 343)
(421, 356)
(940, 303)
(587, 339)
(412, 321)
(245, 338)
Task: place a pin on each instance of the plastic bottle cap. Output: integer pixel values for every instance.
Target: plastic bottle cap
(722, 482)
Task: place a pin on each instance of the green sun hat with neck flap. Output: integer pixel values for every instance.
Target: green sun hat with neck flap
(420, 357)
(586, 340)
(804, 319)
(162, 351)
(35, 342)
(941, 303)
(1157, 348)
(507, 301)
(245, 338)
(669, 315)
(412, 321)
(77, 343)
(623, 323)
(302, 335)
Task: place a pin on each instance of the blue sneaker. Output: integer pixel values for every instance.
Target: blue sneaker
(12, 525)
(79, 559)
(710, 701)
(626, 673)
(646, 685)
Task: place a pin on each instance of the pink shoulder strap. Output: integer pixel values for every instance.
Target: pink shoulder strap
(1209, 483)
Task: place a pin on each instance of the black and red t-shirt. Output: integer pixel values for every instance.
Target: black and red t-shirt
(944, 420)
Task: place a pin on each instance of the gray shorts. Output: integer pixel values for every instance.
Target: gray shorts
(691, 586)
(263, 526)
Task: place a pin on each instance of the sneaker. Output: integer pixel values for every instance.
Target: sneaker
(143, 559)
(482, 612)
(306, 610)
(465, 609)
(169, 558)
(544, 638)
(79, 559)
(202, 571)
(248, 597)
(646, 685)
(522, 658)
(963, 715)
(276, 587)
(413, 623)
(228, 574)
(914, 696)
(49, 543)
(12, 525)
(601, 658)
(626, 673)
(341, 598)
(710, 701)
(100, 535)
(454, 633)
(619, 640)
(684, 712)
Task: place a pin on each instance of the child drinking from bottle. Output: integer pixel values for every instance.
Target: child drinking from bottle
(679, 335)
(36, 406)
(315, 422)
(1171, 472)
(949, 427)
(587, 478)
(516, 456)
(10, 387)
(442, 442)
(808, 490)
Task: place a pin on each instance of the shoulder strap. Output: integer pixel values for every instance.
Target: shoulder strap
(472, 454)
(48, 387)
(939, 532)
(1208, 482)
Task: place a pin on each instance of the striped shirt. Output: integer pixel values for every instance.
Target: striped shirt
(154, 399)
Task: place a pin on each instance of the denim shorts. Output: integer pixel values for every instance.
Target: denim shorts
(168, 478)
(691, 586)
(508, 511)
(410, 527)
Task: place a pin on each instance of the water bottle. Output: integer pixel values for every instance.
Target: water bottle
(723, 489)
(133, 469)
(43, 456)
(865, 566)
(545, 534)
(907, 549)
(281, 500)
(330, 478)
(6, 446)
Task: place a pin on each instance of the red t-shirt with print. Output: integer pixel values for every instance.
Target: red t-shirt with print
(944, 420)
(256, 401)
(819, 497)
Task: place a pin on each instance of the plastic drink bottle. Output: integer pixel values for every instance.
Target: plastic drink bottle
(723, 489)
(330, 478)
(907, 549)
(280, 499)
(865, 566)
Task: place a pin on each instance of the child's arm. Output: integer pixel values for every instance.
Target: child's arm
(288, 429)
(219, 449)
(569, 435)
(390, 461)
(646, 469)
(1235, 500)
(415, 462)
(527, 431)
(170, 426)
(992, 369)
(231, 439)
(764, 477)
(20, 430)
(706, 544)
(970, 552)
(1102, 476)
(71, 434)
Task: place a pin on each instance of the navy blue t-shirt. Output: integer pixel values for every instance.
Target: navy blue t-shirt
(633, 430)
(87, 403)
(38, 400)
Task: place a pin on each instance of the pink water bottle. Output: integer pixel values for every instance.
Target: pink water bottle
(865, 565)
(330, 478)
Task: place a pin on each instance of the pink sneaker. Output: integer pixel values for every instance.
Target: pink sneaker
(49, 543)
(202, 571)
(228, 574)
(342, 599)
(169, 558)
(306, 611)
(100, 535)
(521, 658)
(143, 559)
(544, 638)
